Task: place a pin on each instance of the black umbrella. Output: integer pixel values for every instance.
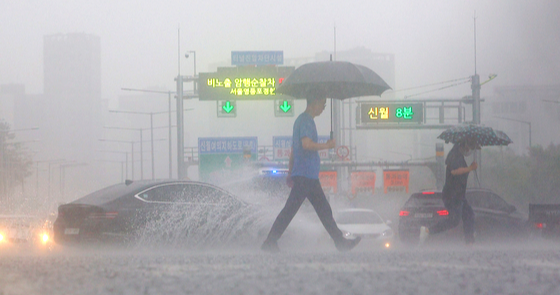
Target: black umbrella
(485, 136)
(332, 79)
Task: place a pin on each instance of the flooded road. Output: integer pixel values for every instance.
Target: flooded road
(484, 269)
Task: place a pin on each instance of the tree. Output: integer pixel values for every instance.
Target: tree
(545, 173)
(15, 162)
(523, 179)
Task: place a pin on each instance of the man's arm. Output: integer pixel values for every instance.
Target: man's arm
(310, 145)
(465, 170)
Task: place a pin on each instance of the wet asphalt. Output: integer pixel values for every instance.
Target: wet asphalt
(504, 268)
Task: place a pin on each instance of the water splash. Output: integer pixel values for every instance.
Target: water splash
(201, 226)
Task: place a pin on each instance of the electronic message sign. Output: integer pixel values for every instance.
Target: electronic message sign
(243, 83)
(390, 112)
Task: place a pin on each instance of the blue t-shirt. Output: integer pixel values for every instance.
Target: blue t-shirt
(306, 163)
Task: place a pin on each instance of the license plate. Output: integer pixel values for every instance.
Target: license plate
(71, 231)
(424, 215)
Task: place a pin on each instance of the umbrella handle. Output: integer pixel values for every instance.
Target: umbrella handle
(476, 176)
(332, 134)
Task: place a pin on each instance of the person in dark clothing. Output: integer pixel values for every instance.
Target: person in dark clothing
(303, 178)
(453, 194)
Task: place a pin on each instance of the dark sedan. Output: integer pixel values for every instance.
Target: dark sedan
(494, 217)
(127, 210)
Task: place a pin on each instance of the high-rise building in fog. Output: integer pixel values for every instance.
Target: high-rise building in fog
(72, 64)
(68, 113)
(72, 121)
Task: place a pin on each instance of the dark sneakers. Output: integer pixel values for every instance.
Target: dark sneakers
(271, 247)
(346, 244)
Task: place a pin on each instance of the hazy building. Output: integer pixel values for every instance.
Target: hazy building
(527, 114)
(72, 64)
(68, 113)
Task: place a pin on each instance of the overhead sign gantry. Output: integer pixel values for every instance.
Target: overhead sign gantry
(256, 76)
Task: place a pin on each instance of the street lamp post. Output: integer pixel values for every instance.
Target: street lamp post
(125, 162)
(140, 130)
(50, 168)
(37, 180)
(132, 149)
(123, 169)
(169, 118)
(520, 121)
(194, 69)
(131, 153)
(62, 176)
(151, 132)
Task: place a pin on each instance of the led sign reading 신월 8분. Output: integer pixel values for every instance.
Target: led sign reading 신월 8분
(387, 112)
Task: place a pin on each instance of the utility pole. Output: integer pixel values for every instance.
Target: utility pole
(475, 87)
(169, 145)
(180, 138)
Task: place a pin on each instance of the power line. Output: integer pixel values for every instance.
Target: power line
(438, 89)
(434, 84)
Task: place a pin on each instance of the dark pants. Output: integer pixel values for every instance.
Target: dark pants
(458, 209)
(311, 189)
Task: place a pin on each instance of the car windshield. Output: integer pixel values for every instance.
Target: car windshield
(424, 200)
(9, 221)
(358, 218)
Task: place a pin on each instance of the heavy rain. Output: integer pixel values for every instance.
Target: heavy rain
(358, 147)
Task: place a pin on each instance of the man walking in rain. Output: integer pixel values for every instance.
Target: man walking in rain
(456, 176)
(303, 178)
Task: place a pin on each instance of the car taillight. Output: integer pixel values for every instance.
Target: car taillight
(540, 225)
(404, 213)
(442, 212)
(428, 193)
(103, 215)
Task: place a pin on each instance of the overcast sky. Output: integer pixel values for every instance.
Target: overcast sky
(432, 40)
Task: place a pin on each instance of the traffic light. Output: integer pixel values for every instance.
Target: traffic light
(227, 108)
(284, 107)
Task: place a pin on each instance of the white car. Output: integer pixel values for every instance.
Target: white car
(16, 229)
(366, 224)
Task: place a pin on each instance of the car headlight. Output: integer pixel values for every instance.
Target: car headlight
(44, 238)
(387, 233)
(1, 237)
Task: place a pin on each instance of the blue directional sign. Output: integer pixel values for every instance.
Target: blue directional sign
(219, 157)
(259, 58)
(226, 145)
